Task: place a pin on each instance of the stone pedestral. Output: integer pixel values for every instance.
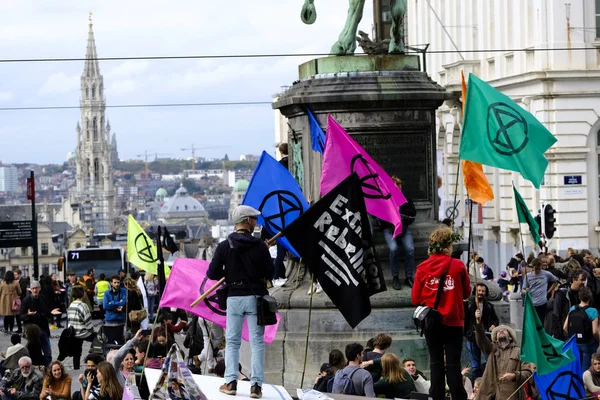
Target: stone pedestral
(388, 106)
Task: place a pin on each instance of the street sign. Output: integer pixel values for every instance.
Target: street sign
(16, 234)
(30, 189)
(572, 180)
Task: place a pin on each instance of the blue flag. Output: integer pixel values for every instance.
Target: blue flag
(566, 382)
(275, 193)
(316, 133)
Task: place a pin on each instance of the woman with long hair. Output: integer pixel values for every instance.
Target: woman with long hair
(34, 344)
(127, 367)
(447, 337)
(110, 388)
(336, 362)
(57, 383)
(151, 283)
(10, 300)
(395, 381)
(134, 302)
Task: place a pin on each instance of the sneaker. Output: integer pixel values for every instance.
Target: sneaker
(229, 388)
(409, 282)
(53, 327)
(256, 391)
(279, 282)
(396, 283)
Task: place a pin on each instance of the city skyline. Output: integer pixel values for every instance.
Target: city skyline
(32, 31)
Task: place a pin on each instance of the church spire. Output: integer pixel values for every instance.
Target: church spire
(91, 68)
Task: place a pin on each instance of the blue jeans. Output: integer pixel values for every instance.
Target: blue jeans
(238, 308)
(475, 357)
(46, 349)
(585, 354)
(409, 250)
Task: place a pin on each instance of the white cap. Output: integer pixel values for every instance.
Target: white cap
(240, 213)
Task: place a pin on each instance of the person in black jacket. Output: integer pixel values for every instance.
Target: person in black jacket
(245, 263)
(408, 213)
(566, 296)
(279, 278)
(489, 320)
(34, 310)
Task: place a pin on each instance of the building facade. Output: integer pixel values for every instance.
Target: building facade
(9, 179)
(544, 55)
(94, 193)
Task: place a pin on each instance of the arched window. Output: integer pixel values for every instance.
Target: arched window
(87, 93)
(95, 129)
(94, 92)
(96, 170)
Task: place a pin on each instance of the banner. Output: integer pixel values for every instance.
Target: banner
(141, 251)
(187, 282)
(334, 239)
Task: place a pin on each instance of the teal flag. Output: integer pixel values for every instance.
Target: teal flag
(525, 216)
(500, 133)
(537, 346)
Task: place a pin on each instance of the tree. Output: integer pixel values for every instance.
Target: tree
(226, 158)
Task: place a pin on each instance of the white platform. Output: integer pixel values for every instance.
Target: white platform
(210, 387)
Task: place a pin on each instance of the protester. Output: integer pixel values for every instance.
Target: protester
(582, 322)
(422, 385)
(279, 274)
(245, 263)
(166, 325)
(151, 283)
(448, 338)
(485, 272)
(476, 385)
(24, 382)
(134, 303)
(324, 381)
(565, 297)
(360, 381)
(13, 354)
(591, 377)
(395, 381)
(92, 361)
(490, 321)
(57, 383)
(504, 372)
(110, 387)
(102, 286)
(408, 213)
(124, 356)
(114, 308)
(89, 284)
(23, 285)
(381, 342)
(10, 300)
(80, 319)
(537, 284)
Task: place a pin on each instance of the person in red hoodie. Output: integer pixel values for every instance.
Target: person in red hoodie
(448, 339)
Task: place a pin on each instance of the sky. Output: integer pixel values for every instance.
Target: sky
(32, 29)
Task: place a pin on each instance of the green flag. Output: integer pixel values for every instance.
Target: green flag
(499, 133)
(525, 216)
(537, 346)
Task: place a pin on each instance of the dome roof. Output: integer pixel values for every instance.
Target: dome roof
(162, 192)
(182, 205)
(241, 185)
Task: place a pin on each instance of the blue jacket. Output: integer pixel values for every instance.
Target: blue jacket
(113, 300)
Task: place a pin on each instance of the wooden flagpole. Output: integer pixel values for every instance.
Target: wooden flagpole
(312, 292)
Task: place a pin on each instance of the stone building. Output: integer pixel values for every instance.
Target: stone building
(94, 194)
(237, 195)
(182, 209)
(505, 43)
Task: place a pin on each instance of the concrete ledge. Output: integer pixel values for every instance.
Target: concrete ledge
(359, 63)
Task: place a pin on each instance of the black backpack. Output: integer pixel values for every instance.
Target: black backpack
(580, 325)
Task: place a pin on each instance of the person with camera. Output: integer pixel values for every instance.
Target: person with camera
(88, 378)
(490, 321)
(245, 263)
(22, 383)
(114, 306)
(445, 339)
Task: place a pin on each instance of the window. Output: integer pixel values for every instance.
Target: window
(93, 92)
(95, 129)
(87, 93)
(54, 268)
(45, 269)
(24, 251)
(598, 18)
(2, 271)
(44, 249)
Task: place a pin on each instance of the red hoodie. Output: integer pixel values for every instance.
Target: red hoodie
(456, 288)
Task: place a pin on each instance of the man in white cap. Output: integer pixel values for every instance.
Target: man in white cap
(34, 310)
(504, 372)
(245, 263)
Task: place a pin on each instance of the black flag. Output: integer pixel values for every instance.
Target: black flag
(162, 281)
(168, 242)
(334, 239)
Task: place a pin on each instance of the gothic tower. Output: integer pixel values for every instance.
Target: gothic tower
(95, 191)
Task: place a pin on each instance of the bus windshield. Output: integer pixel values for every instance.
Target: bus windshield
(107, 261)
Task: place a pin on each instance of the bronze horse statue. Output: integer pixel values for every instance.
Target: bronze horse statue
(346, 43)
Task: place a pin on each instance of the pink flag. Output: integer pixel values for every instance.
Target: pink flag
(342, 157)
(187, 282)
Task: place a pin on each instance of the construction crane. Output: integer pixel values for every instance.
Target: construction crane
(145, 157)
(195, 147)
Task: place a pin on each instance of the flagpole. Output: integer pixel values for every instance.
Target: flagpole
(149, 341)
(209, 291)
(161, 263)
(520, 387)
(522, 244)
(312, 292)
(470, 242)
(454, 205)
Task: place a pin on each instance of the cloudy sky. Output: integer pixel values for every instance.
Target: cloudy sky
(32, 29)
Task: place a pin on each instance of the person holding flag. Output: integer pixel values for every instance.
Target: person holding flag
(245, 263)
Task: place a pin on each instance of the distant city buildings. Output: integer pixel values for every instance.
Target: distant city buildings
(9, 179)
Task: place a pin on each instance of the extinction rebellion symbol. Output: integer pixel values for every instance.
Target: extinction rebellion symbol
(507, 129)
(211, 301)
(368, 178)
(144, 249)
(276, 206)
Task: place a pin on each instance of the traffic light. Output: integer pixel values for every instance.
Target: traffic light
(549, 221)
(538, 219)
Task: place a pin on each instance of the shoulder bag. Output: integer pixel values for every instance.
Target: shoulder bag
(138, 315)
(429, 319)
